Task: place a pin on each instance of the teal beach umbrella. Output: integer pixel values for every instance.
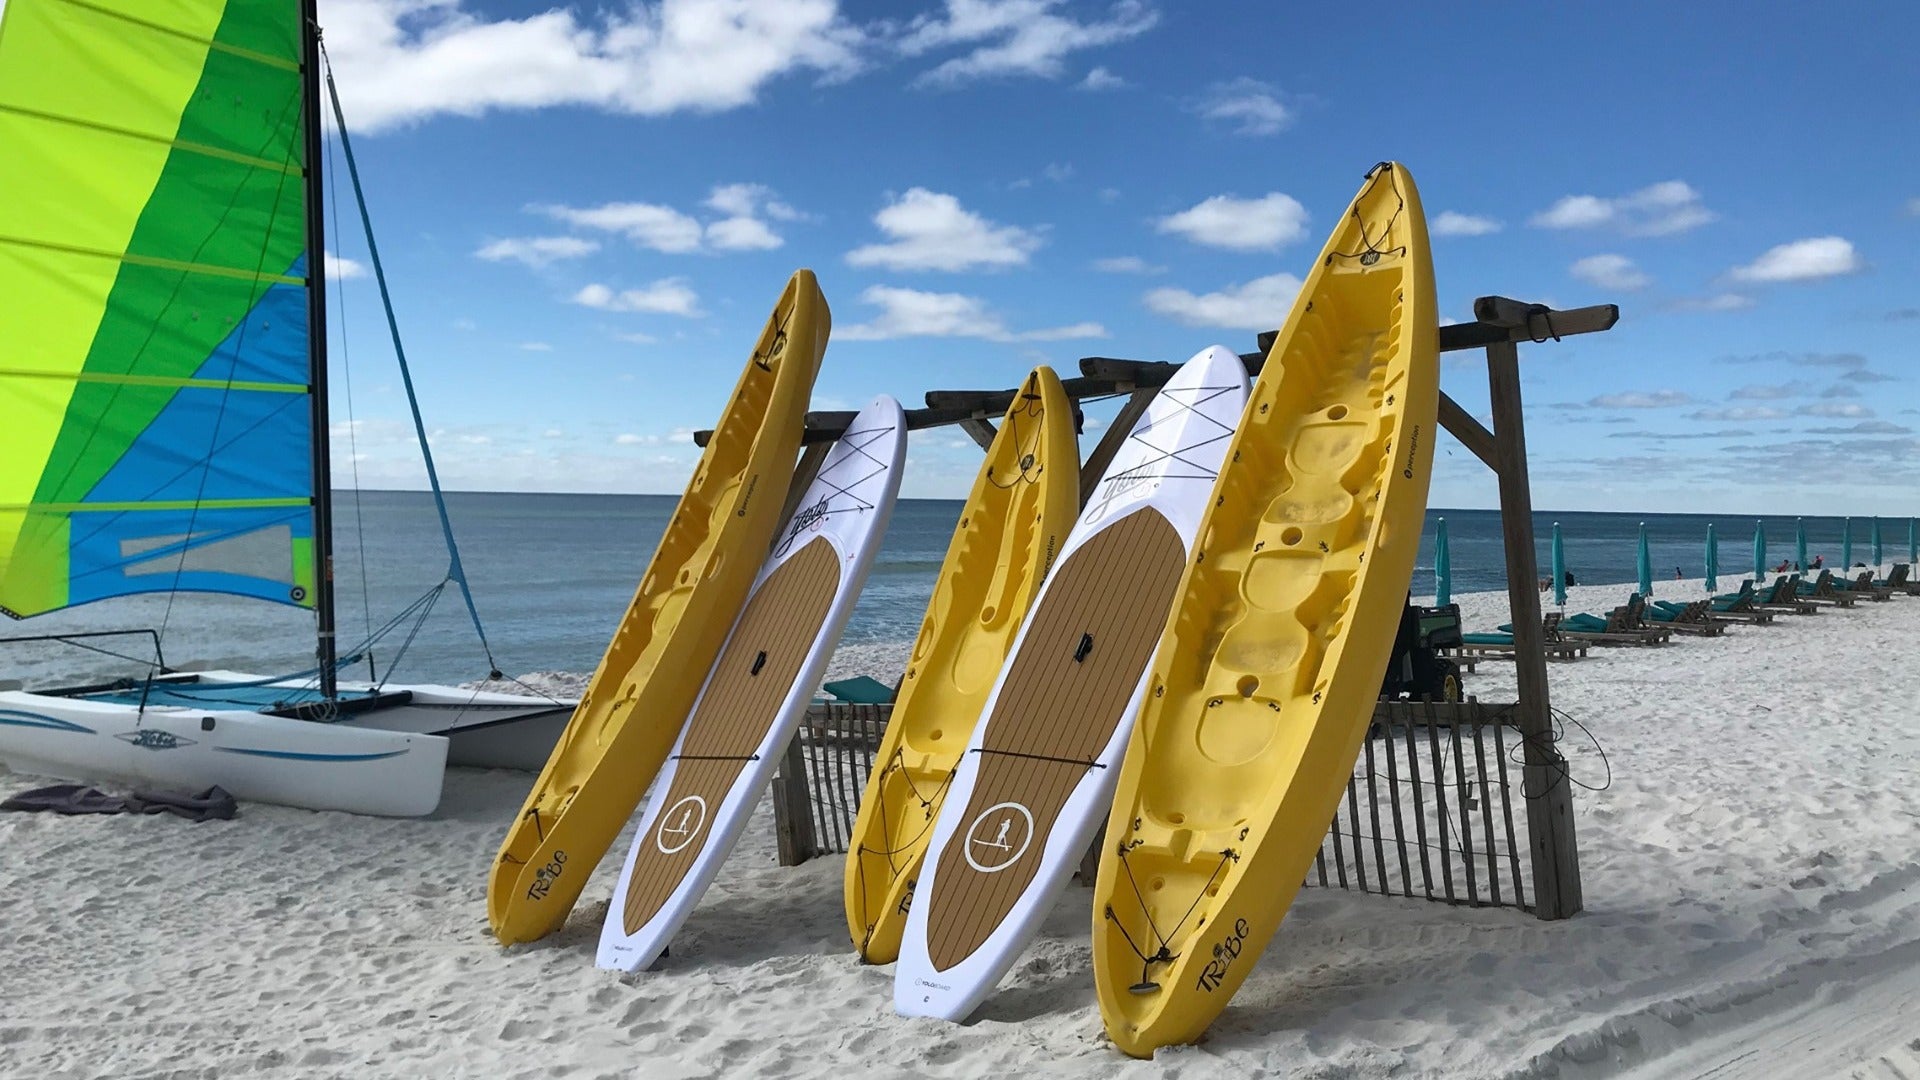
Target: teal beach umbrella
(1800, 543)
(1913, 540)
(1645, 563)
(1846, 542)
(1879, 553)
(1559, 569)
(1442, 565)
(1713, 559)
(1759, 552)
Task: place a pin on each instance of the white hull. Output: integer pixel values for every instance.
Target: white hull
(876, 466)
(1167, 466)
(388, 760)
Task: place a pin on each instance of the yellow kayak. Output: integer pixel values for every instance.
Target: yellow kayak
(1266, 677)
(1022, 506)
(633, 710)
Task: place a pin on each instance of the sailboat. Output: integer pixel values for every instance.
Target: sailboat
(164, 407)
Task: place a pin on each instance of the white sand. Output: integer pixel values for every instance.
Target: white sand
(1753, 909)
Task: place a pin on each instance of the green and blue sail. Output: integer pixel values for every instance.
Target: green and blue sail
(155, 369)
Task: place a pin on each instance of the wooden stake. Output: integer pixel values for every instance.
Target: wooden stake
(1556, 865)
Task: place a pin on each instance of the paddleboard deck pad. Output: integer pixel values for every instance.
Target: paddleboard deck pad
(690, 594)
(1037, 779)
(1266, 679)
(759, 688)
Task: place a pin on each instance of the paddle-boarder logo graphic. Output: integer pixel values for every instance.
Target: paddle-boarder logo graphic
(999, 837)
(680, 824)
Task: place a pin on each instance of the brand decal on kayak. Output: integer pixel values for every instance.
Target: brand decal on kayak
(1224, 954)
(153, 739)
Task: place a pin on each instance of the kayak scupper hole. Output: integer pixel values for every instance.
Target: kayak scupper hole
(1247, 685)
(1292, 535)
(1338, 412)
(935, 734)
(685, 576)
(1176, 818)
(987, 613)
(1157, 884)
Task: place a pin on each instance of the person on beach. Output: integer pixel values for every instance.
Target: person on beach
(1677, 575)
(1570, 581)
(1818, 561)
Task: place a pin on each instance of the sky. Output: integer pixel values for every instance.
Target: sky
(586, 212)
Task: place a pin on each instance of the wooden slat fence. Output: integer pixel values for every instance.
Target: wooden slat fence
(1430, 812)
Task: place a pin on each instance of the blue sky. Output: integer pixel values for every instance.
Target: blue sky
(586, 212)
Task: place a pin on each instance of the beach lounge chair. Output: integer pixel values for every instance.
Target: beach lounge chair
(1491, 645)
(860, 690)
(1821, 591)
(1784, 595)
(1896, 581)
(1693, 619)
(1738, 606)
(1621, 626)
(1864, 586)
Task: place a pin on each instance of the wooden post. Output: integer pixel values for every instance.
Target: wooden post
(981, 431)
(792, 816)
(1556, 867)
(814, 456)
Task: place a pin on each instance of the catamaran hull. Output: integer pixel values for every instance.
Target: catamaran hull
(255, 756)
(485, 730)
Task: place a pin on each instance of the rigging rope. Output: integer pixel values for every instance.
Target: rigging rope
(455, 571)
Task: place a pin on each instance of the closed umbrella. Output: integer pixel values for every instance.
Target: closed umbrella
(1442, 565)
(1559, 569)
(1713, 559)
(1759, 552)
(1799, 543)
(1645, 564)
(1846, 542)
(1913, 540)
(1879, 553)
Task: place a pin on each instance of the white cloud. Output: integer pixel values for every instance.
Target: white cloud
(537, 251)
(1260, 304)
(1802, 260)
(1240, 224)
(913, 313)
(402, 61)
(929, 230)
(1127, 264)
(1845, 410)
(1641, 399)
(1452, 223)
(1770, 391)
(1718, 302)
(553, 433)
(635, 338)
(1248, 105)
(1015, 37)
(673, 232)
(341, 268)
(1610, 272)
(1744, 412)
(1913, 207)
(661, 228)
(668, 296)
(1671, 206)
(629, 439)
(1102, 79)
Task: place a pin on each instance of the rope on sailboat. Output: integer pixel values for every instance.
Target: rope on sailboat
(353, 429)
(455, 571)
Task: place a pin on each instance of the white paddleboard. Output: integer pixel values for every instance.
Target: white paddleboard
(758, 689)
(1038, 776)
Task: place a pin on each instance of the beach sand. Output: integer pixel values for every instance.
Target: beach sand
(1752, 880)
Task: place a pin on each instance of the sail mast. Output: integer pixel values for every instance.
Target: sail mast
(326, 648)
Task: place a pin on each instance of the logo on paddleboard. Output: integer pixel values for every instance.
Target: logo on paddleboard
(998, 837)
(680, 824)
(152, 739)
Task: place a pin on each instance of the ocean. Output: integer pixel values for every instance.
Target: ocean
(552, 575)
